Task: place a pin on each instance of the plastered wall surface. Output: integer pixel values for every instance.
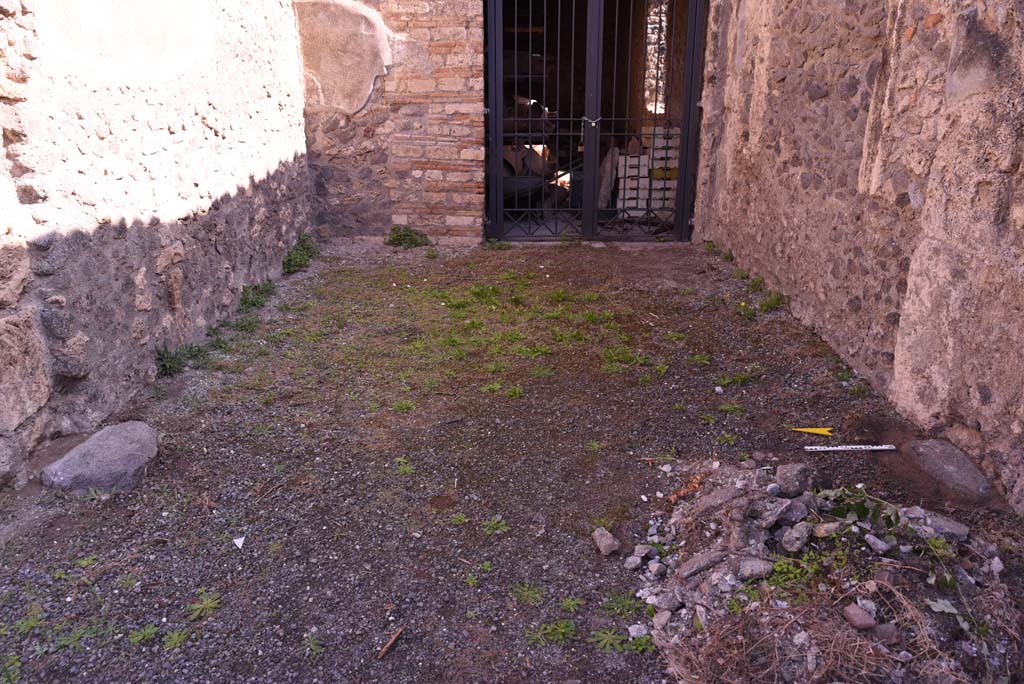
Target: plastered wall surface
(866, 158)
(154, 164)
(395, 114)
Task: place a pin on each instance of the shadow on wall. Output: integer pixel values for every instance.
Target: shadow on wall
(83, 337)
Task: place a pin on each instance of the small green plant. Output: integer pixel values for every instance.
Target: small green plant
(495, 526)
(623, 605)
(487, 566)
(496, 367)
(471, 580)
(497, 245)
(10, 669)
(459, 519)
(170, 363)
(750, 374)
(74, 639)
(528, 594)
(608, 640)
(300, 255)
(404, 406)
(594, 445)
(842, 373)
(127, 581)
(86, 562)
(676, 336)
(746, 311)
(33, 620)
(406, 237)
(571, 604)
(707, 419)
(644, 644)
(431, 253)
(542, 372)
(728, 256)
(624, 356)
(403, 467)
(557, 632)
(860, 390)
(144, 635)
(740, 274)
(755, 285)
(773, 301)
(700, 359)
(514, 392)
(731, 409)
(206, 605)
(255, 296)
(312, 645)
(710, 247)
(175, 639)
(727, 439)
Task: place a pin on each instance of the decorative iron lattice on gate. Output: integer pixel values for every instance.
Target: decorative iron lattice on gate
(593, 117)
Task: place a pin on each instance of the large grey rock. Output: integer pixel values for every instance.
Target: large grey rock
(858, 617)
(794, 479)
(951, 469)
(113, 458)
(700, 563)
(754, 568)
(796, 537)
(606, 543)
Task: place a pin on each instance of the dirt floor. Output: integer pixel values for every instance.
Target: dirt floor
(424, 440)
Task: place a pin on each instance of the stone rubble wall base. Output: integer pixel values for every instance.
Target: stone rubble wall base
(140, 190)
(865, 158)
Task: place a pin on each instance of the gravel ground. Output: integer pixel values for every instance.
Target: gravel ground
(424, 440)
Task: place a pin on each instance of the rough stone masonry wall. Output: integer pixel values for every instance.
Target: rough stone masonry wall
(866, 158)
(395, 114)
(154, 164)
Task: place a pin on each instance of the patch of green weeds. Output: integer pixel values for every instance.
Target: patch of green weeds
(127, 581)
(32, 620)
(406, 237)
(300, 256)
(246, 324)
(431, 253)
(727, 439)
(557, 632)
(676, 336)
(571, 604)
(471, 580)
(496, 367)
(731, 409)
(531, 351)
(728, 256)
(542, 372)
(87, 562)
(528, 594)
(206, 605)
(404, 406)
(10, 669)
(618, 358)
(773, 301)
(860, 390)
(459, 519)
(312, 645)
(255, 296)
(572, 335)
(746, 376)
(590, 297)
(495, 526)
(608, 640)
(746, 311)
(143, 635)
(495, 386)
(700, 359)
(486, 566)
(755, 285)
(679, 406)
(707, 419)
(175, 639)
(740, 274)
(497, 245)
(594, 445)
(514, 392)
(74, 638)
(842, 373)
(623, 605)
(644, 644)
(710, 247)
(403, 467)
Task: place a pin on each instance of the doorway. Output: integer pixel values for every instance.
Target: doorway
(593, 118)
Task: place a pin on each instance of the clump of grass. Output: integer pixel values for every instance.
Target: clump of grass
(141, 636)
(495, 526)
(744, 377)
(608, 639)
(773, 301)
(497, 245)
(312, 645)
(756, 285)
(746, 311)
(571, 604)
(740, 274)
(622, 605)
(514, 392)
(300, 255)
(170, 363)
(175, 639)
(255, 296)
(471, 581)
(403, 467)
(594, 445)
(557, 632)
(459, 519)
(700, 359)
(727, 439)
(406, 238)
(208, 602)
(731, 409)
(432, 253)
(404, 406)
(528, 594)
(492, 387)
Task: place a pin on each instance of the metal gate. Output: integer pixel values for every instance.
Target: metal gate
(592, 118)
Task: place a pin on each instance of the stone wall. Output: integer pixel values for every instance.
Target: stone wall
(395, 118)
(865, 158)
(154, 164)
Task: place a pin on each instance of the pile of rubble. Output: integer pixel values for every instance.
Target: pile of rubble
(757, 576)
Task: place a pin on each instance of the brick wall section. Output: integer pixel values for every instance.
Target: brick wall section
(415, 154)
(865, 157)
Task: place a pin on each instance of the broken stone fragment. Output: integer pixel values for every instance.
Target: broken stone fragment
(633, 562)
(113, 458)
(795, 513)
(794, 479)
(823, 530)
(666, 601)
(774, 511)
(715, 500)
(606, 543)
(877, 545)
(947, 527)
(661, 619)
(754, 568)
(886, 633)
(797, 537)
(858, 617)
(642, 550)
(700, 563)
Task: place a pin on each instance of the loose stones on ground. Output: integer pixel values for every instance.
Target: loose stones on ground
(113, 458)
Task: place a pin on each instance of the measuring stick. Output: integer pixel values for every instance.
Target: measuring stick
(853, 447)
